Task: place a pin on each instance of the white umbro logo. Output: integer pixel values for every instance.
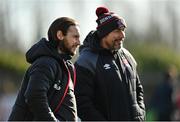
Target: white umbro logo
(107, 66)
(57, 85)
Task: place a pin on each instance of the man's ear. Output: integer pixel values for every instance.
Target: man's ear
(60, 35)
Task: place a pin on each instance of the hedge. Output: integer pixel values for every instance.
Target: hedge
(13, 61)
(151, 57)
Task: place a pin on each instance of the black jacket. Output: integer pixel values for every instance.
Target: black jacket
(108, 86)
(45, 86)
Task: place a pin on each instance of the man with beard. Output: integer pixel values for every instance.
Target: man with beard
(47, 90)
(108, 87)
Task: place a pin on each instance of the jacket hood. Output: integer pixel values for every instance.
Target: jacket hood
(91, 42)
(44, 48)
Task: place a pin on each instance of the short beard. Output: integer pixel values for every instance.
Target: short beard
(113, 47)
(64, 49)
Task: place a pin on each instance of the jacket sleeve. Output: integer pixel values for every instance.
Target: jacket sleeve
(84, 92)
(41, 75)
(140, 96)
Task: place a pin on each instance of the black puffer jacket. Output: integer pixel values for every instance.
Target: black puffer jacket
(44, 86)
(107, 90)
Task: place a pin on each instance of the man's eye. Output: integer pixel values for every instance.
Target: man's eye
(122, 28)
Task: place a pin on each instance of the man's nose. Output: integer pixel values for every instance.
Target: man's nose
(122, 34)
(78, 41)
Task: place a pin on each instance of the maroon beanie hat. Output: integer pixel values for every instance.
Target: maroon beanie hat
(107, 21)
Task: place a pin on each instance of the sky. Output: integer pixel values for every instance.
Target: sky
(22, 12)
(136, 13)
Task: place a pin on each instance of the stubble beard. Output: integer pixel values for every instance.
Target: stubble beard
(114, 46)
(65, 49)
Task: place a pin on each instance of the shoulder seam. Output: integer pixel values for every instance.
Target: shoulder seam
(88, 60)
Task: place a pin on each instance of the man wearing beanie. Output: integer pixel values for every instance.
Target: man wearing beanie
(47, 90)
(108, 87)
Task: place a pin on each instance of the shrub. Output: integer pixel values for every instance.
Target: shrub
(13, 61)
(151, 57)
